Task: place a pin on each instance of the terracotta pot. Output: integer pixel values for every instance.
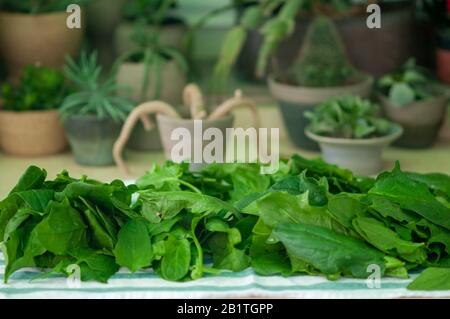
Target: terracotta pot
(42, 38)
(295, 100)
(443, 64)
(167, 124)
(361, 156)
(375, 51)
(173, 81)
(421, 121)
(92, 139)
(169, 34)
(34, 133)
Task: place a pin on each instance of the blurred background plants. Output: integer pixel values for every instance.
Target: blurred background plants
(152, 12)
(38, 6)
(408, 84)
(94, 95)
(40, 88)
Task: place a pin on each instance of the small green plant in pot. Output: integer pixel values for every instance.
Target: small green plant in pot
(29, 123)
(153, 71)
(157, 16)
(351, 134)
(36, 32)
(415, 100)
(321, 72)
(94, 113)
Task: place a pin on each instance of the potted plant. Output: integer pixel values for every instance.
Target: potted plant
(322, 71)
(158, 16)
(168, 119)
(93, 115)
(36, 32)
(412, 98)
(153, 71)
(351, 134)
(29, 123)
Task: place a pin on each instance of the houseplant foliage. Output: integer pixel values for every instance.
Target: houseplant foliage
(351, 133)
(322, 71)
(158, 16)
(274, 224)
(413, 98)
(22, 43)
(39, 6)
(94, 113)
(29, 118)
(153, 70)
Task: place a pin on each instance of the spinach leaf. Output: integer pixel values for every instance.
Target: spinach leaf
(411, 195)
(177, 258)
(33, 178)
(332, 253)
(432, 279)
(62, 229)
(134, 249)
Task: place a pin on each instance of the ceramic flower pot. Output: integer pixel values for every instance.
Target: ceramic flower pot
(142, 140)
(168, 124)
(421, 121)
(41, 38)
(34, 133)
(295, 100)
(361, 156)
(92, 139)
(169, 34)
(173, 81)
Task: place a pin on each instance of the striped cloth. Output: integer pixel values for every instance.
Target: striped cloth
(245, 284)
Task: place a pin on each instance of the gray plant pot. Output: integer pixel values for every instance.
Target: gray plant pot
(142, 140)
(361, 156)
(92, 139)
(421, 121)
(167, 124)
(295, 100)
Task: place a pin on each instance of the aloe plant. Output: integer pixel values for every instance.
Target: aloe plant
(153, 54)
(93, 96)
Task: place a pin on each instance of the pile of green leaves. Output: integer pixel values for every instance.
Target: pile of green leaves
(38, 6)
(40, 88)
(309, 218)
(348, 117)
(93, 95)
(409, 84)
